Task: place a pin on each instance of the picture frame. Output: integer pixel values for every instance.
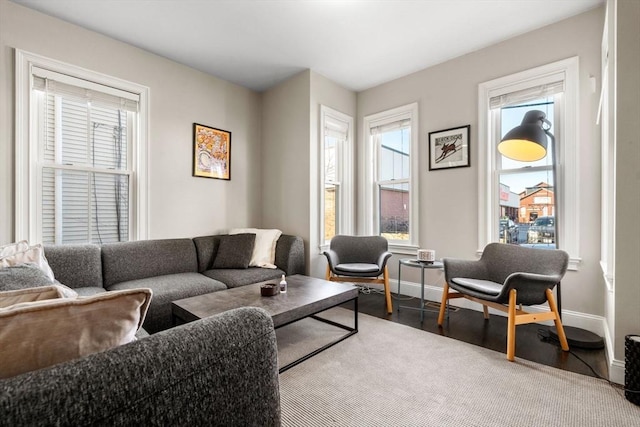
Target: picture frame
(449, 148)
(211, 152)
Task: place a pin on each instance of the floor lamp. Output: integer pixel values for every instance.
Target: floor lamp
(528, 143)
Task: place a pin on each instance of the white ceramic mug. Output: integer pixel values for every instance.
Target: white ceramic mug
(428, 255)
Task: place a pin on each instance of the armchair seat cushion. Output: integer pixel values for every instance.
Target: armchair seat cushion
(485, 287)
(358, 268)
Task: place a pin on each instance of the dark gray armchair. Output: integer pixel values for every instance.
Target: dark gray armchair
(505, 278)
(359, 259)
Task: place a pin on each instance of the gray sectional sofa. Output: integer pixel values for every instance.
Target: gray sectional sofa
(171, 268)
(218, 371)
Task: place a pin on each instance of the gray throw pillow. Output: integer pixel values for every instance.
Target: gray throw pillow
(23, 276)
(234, 251)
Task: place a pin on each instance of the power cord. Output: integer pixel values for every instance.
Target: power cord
(545, 336)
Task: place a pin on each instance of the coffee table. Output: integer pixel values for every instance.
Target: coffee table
(305, 297)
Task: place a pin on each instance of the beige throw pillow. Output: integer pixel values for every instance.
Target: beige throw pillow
(264, 249)
(34, 335)
(9, 298)
(32, 255)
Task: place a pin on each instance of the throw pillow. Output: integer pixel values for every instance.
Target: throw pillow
(9, 298)
(23, 276)
(235, 251)
(33, 255)
(264, 250)
(13, 248)
(34, 335)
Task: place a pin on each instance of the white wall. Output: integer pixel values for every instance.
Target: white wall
(180, 205)
(447, 97)
(626, 117)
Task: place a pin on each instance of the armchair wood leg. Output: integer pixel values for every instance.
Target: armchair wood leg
(443, 303)
(328, 275)
(511, 327)
(561, 335)
(387, 291)
(485, 310)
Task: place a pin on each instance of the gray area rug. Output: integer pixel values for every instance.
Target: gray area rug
(393, 375)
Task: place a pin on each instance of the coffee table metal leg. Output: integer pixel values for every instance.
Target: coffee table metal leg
(351, 331)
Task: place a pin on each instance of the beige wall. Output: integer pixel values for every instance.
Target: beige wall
(447, 95)
(180, 205)
(291, 117)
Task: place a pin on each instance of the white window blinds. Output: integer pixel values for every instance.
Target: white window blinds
(85, 138)
(552, 85)
(83, 90)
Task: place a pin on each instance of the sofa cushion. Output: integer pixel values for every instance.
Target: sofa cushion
(23, 276)
(264, 250)
(127, 261)
(9, 298)
(206, 249)
(170, 288)
(235, 277)
(33, 255)
(38, 334)
(76, 265)
(235, 251)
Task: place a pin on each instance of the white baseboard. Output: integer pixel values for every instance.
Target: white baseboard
(595, 324)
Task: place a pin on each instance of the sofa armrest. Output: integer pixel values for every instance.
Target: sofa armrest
(290, 255)
(220, 370)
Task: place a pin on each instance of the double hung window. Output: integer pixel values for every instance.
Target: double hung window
(391, 154)
(530, 203)
(336, 174)
(83, 137)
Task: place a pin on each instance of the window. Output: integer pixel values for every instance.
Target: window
(519, 200)
(336, 174)
(391, 151)
(82, 137)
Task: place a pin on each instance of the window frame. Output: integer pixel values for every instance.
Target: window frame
(370, 214)
(566, 132)
(344, 175)
(28, 224)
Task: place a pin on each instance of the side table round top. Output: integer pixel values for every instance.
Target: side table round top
(413, 262)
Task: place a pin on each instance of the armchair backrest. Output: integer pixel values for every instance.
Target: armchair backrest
(358, 249)
(501, 260)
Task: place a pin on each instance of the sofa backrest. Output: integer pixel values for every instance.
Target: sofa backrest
(126, 261)
(76, 266)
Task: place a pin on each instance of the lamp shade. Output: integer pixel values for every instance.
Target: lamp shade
(528, 141)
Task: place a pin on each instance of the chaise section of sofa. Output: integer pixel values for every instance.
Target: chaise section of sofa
(169, 267)
(218, 371)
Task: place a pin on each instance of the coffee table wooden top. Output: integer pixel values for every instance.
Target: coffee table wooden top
(305, 296)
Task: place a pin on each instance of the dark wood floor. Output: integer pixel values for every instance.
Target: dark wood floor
(471, 327)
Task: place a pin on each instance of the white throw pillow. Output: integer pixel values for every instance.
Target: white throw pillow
(264, 249)
(33, 255)
(13, 248)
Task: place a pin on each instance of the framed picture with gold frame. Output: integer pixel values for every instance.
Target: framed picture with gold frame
(211, 152)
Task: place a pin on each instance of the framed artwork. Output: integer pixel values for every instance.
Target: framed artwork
(211, 152)
(449, 148)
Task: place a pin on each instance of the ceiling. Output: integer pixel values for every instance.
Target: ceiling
(356, 43)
